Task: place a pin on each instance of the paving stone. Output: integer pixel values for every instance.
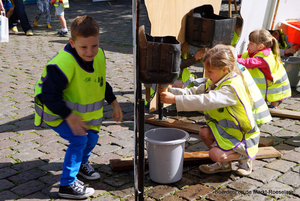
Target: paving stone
(193, 139)
(6, 153)
(284, 148)
(27, 176)
(293, 107)
(171, 198)
(160, 191)
(245, 185)
(7, 143)
(50, 179)
(256, 197)
(269, 129)
(290, 178)
(21, 167)
(274, 189)
(99, 187)
(106, 169)
(187, 179)
(124, 191)
(292, 156)
(114, 128)
(106, 148)
(28, 155)
(106, 198)
(52, 147)
(26, 138)
(5, 184)
(52, 191)
(8, 196)
(294, 128)
(215, 181)
(35, 197)
(104, 159)
(28, 188)
(286, 134)
(128, 142)
(223, 194)
(6, 172)
(46, 132)
(295, 141)
(290, 198)
(281, 165)
(24, 146)
(264, 175)
(277, 140)
(106, 139)
(52, 167)
(198, 147)
(297, 192)
(6, 135)
(283, 123)
(126, 152)
(118, 180)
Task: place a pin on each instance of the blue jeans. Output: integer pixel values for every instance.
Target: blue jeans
(19, 13)
(78, 151)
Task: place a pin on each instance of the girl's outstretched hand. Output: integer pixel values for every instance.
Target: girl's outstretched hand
(167, 97)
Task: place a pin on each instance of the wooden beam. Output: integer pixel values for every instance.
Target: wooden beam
(192, 158)
(190, 127)
(284, 113)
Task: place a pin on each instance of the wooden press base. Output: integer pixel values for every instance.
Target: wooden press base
(192, 158)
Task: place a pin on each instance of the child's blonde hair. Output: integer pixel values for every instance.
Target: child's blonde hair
(84, 26)
(263, 36)
(225, 55)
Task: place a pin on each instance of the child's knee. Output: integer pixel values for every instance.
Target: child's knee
(203, 133)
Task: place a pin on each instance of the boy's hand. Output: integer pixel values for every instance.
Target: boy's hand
(117, 115)
(76, 124)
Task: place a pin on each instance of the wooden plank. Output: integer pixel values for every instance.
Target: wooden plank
(285, 113)
(192, 158)
(190, 127)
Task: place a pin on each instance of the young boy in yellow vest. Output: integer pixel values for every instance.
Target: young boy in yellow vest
(69, 98)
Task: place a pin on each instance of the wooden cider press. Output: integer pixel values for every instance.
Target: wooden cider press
(159, 62)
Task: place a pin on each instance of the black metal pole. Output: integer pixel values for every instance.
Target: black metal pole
(139, 115)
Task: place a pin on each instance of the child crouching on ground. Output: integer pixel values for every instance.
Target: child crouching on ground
(231, 132)
(69, 98)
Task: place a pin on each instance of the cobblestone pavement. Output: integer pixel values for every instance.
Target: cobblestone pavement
(31, 158)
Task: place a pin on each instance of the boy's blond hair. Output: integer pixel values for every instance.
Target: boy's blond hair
(225, 55)
(84, 26)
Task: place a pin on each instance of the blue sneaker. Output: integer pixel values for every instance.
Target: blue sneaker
(62, 33)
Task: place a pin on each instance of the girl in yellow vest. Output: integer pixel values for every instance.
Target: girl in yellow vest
(265, 66)
(231, 132)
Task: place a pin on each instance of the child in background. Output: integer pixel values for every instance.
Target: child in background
(286, 48)
(7, 7)
(69, 98)
(265, 66)
(60, 6)
(237, 31)
(43, 7)
(231, 132)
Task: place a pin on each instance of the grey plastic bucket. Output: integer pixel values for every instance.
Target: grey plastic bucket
(165, 148)
(292, 67)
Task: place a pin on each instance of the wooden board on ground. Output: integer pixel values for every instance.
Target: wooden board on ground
(284, 113)
(192, 158)
(190, 127)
